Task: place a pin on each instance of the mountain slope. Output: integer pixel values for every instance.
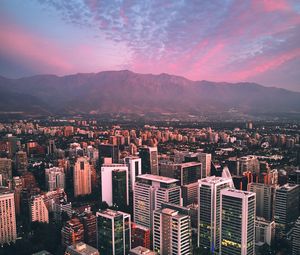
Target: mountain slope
(128, 92)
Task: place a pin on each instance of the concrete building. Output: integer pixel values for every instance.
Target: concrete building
(237, 222)
(38, 210)
(82, 177)
(134, 165)
(149, 193)
(149, 156)
(205, 160)
(21, 162)
(55, 178)
(264, 231)
(81, 249)
(140, 250)
(8, 229)
(5, 170)
(140, 236)
(72, 232)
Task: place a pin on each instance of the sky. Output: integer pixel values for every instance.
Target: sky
(216, 40)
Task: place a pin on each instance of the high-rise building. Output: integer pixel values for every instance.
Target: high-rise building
(294, 177)
(5, 170)
(72, 232)
(114, 232)
(140, 236)
(149, 193)
(109, 151)
(89, 222)
(51, 147)
(205, 159)
(38, 210)
(114, 179)
(248, 163)
(286, 207)
(134, 165)
(189, 193)
(81, 249)
(82, 177)
(172, 230)
(296, 238)
(264, 199)
(21, 162)
(237, 223)
(8, 229)
(55, 178)
(149, 156)
(264, 231)
(209, 204)
(186, 173)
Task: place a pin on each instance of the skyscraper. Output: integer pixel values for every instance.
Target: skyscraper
(21, 162)
(237, 234)
(172, 230)
(140, 236)
(72, 232)
(8, 229)
(149, 156)
(55, 178)
(82, 177)
(264, 199)
(114, 179)
(209, 204)
(109, 151)
(5, 170)
(114, 232)
(134, 165)
(149, 193)
(205, 159)
(38, 209)
(286, 207)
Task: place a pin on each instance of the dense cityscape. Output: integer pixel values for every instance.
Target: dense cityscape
(82, 186)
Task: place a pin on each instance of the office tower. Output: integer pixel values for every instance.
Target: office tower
(60, 207)
(134, 165)
(89, 222)
(113, 180)
(114, 233)
(140, 236)
(81, 249)
(264, 231)
(55, 178)
(296, 238)
(51, 147)
(149, 156)
(5, 170)
(140, 250)
(8, 229)
(21, 162)
(248, 163)
(109, 151)
(38, 209)
(237, 233)
(172, 230)
(209, 211)
(264, 199)
(72, 232)
(189, 193)
(205, 159)
(286, 207)
(82, 177)
(149, 193)
(294, 177)
(186, 173)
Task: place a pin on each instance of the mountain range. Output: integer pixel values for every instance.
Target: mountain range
(132, 93)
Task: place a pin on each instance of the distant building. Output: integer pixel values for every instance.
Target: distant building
(149, 156)
(82, 177)
(55, 178)
(21, 162)
(114, 232)
(109, 151)
(8, 229)
(72, 232)
(237, 233)
(81, 249)
(205, 159)
(38, 210)
(149, 193)
(5, 170)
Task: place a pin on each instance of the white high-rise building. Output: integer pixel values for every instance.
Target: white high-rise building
(237, 222)
(82, 177)
(205, 159)
(149, 193)
(209, 211)
(107, 182)
(8, 229)
(172, 230)
(38, 209)
(134, 165)
(55, 178)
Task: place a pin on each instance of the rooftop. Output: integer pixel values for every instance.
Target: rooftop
(157, 178)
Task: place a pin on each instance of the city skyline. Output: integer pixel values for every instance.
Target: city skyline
(217, 40)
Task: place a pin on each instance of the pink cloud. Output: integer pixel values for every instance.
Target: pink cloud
(24, 45)
(273, 5)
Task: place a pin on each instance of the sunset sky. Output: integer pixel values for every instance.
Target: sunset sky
(223, 40)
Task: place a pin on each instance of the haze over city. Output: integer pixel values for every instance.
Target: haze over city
(230, 41)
